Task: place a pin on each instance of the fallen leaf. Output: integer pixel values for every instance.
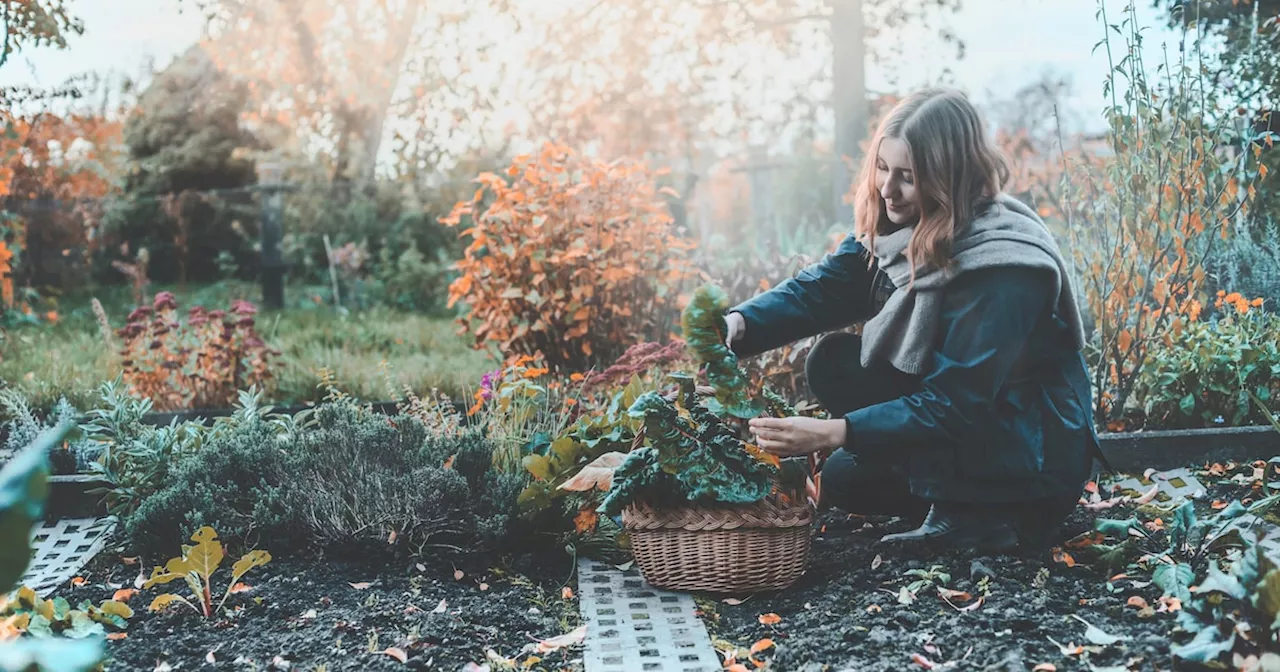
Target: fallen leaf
(457, 575)
(391, 538)
(129, 561)
(566, 593)
(1170, 604)
(570, 638)
(362, 585)
(957, 595)
(309, 614)
(597, 474)
(736, 667)
(1218, 505)
(448, 464)
(397, 653)
(922, 661)
(1096, 635)
(483, 586)
(877, 561)
(732, 601)
(440, 607)
(1067, 650)
(770, 619)
(1063, 557)
(761, 645)
(1137, 601)
(124, 594)
(114, 636)
(1117, 577)
(977, 603)
(1045, 667)
(241, 587)
(78, 581)
(209, 658)
(1148, 496)
(874, 609)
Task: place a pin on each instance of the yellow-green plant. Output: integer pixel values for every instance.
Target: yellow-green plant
(196, 566)
(25, 612)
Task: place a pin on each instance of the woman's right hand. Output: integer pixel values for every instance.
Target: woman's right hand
(737, 328)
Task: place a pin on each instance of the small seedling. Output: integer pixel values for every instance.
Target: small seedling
(196, 566)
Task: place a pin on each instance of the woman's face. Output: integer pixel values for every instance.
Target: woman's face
(896, 183)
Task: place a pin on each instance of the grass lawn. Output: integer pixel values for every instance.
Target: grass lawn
(70, 359)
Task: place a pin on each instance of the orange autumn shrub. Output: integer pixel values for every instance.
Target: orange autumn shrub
(203, 363)
(573, 258)
(1142, 208)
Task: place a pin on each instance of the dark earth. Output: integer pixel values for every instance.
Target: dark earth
(843, 614)
(306, 615)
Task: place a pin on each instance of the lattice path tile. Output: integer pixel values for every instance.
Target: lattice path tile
(1176, 486)
(62, 547)
(634, 627)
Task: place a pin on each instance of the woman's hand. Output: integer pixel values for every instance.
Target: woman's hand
(737, 327)
(786, 437)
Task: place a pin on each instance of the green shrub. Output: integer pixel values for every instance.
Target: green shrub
(1203, 377)
(238, 484)
(343, 479)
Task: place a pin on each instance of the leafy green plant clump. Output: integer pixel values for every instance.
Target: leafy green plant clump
(704, 330)
(690, 457)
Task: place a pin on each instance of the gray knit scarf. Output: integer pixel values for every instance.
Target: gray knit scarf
(1007, 233)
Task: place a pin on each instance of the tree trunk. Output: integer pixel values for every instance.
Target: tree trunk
(849, 97)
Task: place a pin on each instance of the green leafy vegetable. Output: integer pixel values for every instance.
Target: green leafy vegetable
(691, 457)
(704, 330)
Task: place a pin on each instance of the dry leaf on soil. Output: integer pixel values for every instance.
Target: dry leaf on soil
(761, 645)
(124, 594)
(362, 585)
(397, 653)
(570, 638)
(770, 619)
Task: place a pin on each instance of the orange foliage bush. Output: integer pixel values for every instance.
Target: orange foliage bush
(576, 259)
(201, 364)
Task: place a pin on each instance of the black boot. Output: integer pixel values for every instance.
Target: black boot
(982, 528)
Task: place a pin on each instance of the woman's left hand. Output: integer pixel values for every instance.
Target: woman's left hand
(786, 437)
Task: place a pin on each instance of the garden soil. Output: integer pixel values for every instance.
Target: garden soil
(843, 614)
(308, 616)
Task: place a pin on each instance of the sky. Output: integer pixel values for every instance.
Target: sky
(1009, 43)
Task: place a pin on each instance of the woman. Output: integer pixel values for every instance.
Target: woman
(966, 396)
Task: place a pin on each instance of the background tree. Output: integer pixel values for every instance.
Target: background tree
(185, 140)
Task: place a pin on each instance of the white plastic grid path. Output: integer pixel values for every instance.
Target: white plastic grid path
(62, 547)
(1175, 486)
(634, 627)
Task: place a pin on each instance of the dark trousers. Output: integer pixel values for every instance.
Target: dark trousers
(863, 484)
(880, 484)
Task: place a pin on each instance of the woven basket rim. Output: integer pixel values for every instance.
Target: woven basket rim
(769, 513)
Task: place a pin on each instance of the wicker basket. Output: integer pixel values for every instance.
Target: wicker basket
(734, 549)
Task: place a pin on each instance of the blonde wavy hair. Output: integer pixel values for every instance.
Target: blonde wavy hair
(955, 166)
